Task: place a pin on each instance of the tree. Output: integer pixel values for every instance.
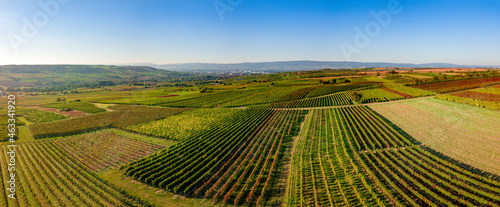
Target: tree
(378, 73)
(203, 89)
(356, 96)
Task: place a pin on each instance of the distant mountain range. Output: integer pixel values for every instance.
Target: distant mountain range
(282, 66)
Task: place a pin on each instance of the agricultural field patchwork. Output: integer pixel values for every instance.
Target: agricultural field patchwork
(409, 91)
(212, 99)
(266, 97)
(282, 139)
(457, 85)
(4, 120)
(184, 125)
(238, 163)
(378, 95)
(462, 132)
(48, 177)
(123, 117)
(38, 116)
(352, 157)
(80, 106)
(330, 89)
(481, 97)
(337, 99)
(104, 150)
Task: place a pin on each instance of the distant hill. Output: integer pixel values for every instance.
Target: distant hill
(282, 66)
(26, 75)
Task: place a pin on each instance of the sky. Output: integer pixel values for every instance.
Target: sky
(233, 31)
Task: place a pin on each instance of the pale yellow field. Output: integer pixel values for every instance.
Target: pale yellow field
(465, 133)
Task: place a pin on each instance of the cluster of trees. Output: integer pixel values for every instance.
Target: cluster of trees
(356, 96)
(462, 76)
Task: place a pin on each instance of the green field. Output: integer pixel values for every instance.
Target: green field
(162, 138)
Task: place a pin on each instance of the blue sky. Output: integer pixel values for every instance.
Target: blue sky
(181, 31)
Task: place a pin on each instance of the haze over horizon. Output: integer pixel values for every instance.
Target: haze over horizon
(220, 31)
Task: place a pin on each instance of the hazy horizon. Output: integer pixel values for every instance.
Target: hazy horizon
(220, 31)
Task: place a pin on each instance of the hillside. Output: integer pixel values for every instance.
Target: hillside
(282, 66)
(50, 75)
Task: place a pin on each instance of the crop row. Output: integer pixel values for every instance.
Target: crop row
(266, 97)
(184, 125)
(123, 117)
(237, 163)
(478, 95)
(39, 116)
(45, 176)
(211, 99)
(338, 99)
(378, 95)
(103, 150)
(413, 92)
(322, 171)
(183, 163)
(4, 130)
(80, 106)
(471, 101)
(330, 167)
(298, 94)
(331, 89)
(457, 85)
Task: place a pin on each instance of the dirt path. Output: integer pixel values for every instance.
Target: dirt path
(288, 165)
(73, 113)
(100, 106)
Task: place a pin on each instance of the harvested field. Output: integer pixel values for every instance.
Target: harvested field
(462, 132)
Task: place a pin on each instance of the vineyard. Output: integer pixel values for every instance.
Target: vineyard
(378, 95)
(321, 91)
(462, 132)
(46, 176)
(350, 156)
(485, 100)
(123, 117)
(38, 116)
(332, 137)
(4, 120)
(80, 106)
(183, 125)
(411, 92)
(338, 99)
(212, 99)
(266, 97)
(299, 94)
(237, 164)
(458, 85)
(103, 150)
